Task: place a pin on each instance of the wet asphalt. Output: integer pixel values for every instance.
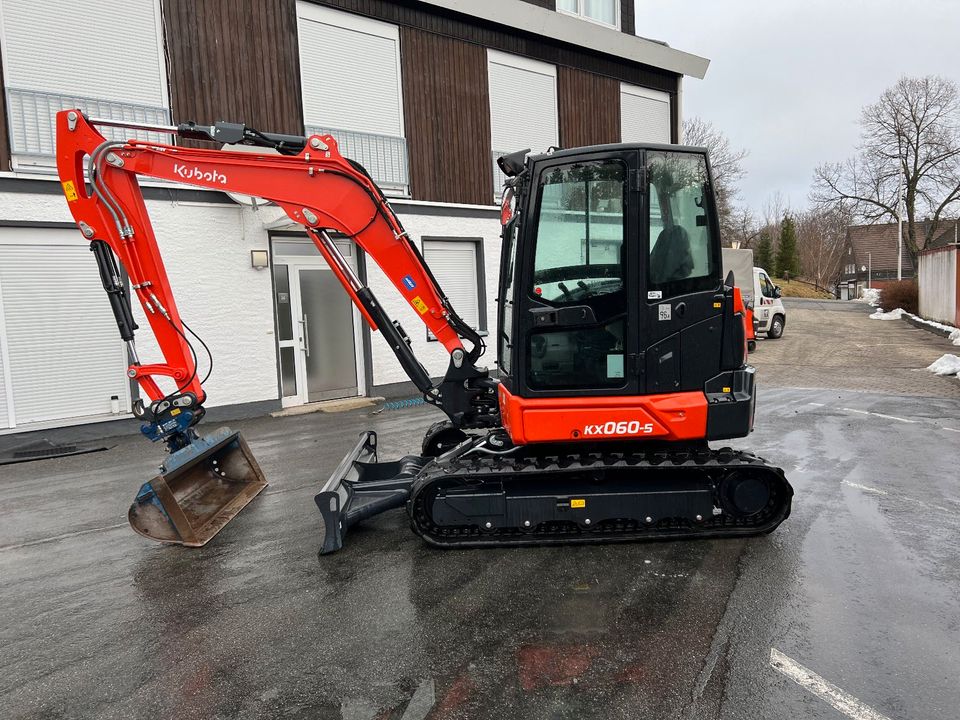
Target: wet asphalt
(861, 585)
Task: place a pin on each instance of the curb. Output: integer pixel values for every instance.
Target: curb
(918, 323)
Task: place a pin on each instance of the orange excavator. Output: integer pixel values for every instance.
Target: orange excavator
(621, 348)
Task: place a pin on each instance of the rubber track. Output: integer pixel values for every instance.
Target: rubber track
(475, 469)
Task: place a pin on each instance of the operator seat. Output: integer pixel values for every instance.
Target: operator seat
(671, 258)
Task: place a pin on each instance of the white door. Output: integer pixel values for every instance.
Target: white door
(61, 357)
(319, 338)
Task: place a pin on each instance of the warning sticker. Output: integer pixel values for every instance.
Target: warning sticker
(70, 190)
(419, 304)
(578, 503)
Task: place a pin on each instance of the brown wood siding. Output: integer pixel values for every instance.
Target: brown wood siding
(4, 128)
(627, 17)
(490, 35)
(446, 118)
(588, 108)
(234, 60)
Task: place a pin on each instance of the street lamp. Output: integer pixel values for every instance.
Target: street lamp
(900, 229)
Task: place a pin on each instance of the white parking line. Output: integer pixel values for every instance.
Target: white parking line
(865, 488)
(810, 681)
(950, 429)
(888, 417)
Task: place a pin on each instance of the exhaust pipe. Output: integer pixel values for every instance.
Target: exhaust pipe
(199, 490)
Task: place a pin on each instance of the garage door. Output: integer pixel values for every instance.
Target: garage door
(61, 358)
(644, 115)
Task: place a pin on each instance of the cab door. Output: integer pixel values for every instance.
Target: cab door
(683, 299)
(577, 283)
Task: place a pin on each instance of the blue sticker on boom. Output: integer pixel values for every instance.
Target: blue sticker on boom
(408, 282)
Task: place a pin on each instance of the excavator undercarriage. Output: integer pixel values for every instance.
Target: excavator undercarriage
(485, 493)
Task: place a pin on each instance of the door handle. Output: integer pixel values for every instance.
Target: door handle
(306, 335)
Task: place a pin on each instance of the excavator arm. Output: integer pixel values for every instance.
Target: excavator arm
(318, 189)
(206, 481)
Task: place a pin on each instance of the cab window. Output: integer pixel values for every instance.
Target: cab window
(766, 287)
(580, 232)
(682, 254)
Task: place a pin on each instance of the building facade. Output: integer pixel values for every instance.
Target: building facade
(424, 94)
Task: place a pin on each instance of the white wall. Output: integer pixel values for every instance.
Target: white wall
(206, 249)
(937, 280)
(386, 369)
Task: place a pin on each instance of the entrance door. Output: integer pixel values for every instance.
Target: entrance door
(318, 326)
(684, 300)
(327, 344)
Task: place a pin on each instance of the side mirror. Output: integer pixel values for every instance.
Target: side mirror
(777, 292)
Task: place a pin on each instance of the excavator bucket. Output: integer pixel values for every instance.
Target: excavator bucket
(200, 489)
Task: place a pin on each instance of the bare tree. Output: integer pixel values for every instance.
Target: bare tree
(743, 228)
(822, 242)
(909, 148)
(727, 165)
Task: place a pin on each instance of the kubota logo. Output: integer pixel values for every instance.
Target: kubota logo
(631, 427)
(195, 173)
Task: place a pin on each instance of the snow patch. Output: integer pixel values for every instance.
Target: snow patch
(870, 296)
(947, 365)
(892, 315)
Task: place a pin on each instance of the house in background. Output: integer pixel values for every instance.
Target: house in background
(871, 256)
(425, 94)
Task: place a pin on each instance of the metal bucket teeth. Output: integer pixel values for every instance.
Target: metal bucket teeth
(202, 488)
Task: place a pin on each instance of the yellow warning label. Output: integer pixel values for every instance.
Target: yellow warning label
(419, 304)
(69, 190)
(726, 389)
(578, 503)
(175, 411)
(717, 306)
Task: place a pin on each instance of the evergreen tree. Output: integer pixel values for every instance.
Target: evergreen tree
(788, 256)
(763, 254)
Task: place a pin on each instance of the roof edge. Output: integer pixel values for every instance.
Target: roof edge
(555, 25)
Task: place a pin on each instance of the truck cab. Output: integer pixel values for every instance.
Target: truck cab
(768, 311)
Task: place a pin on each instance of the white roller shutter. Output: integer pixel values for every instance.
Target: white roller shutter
(349, 72)
(5, 388)
(523, 103)
(52, 60)
(66, 358)
(454, 264)
(644, 115)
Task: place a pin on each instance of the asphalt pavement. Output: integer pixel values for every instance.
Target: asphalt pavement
(860, 586)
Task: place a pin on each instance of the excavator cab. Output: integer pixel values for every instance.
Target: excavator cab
(611, 288)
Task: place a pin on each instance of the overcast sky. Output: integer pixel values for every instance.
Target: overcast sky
(788, 78)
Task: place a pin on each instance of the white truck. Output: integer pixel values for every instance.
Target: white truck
(757, 291)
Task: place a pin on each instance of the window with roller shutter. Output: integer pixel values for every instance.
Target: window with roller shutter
(62, 357)
(350, 83)
(42, 75)
(457, 263)
(523, 107)
(644, 115)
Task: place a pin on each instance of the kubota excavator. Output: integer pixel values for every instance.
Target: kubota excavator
(621, 349)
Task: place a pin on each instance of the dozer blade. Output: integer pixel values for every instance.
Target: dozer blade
(200, 489)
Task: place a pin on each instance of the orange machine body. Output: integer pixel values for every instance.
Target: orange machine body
(672, 416)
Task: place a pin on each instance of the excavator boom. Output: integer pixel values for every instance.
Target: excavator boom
(206, 481)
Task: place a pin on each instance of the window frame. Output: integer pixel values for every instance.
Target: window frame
(483, 329)
(538, 200)
(35, 164)
(659, 292)
(580, 15)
